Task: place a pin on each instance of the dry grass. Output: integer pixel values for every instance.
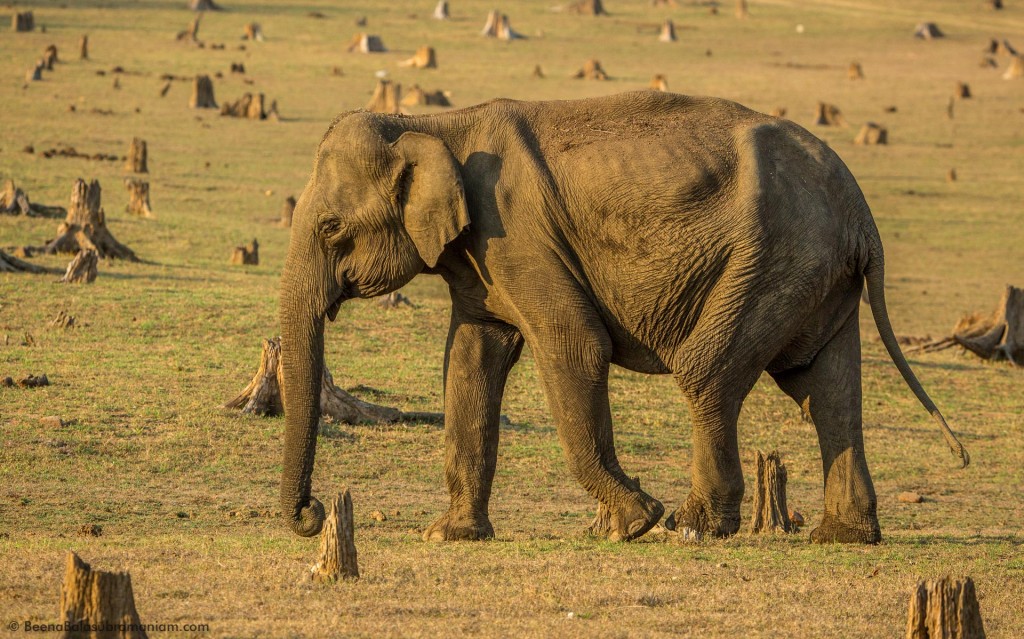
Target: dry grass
(150, 457)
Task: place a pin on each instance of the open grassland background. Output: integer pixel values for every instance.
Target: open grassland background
(148, 455)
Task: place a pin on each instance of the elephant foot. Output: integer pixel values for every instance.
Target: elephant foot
(628, 523)
(455, 527)
(832, 530)
(696, 517)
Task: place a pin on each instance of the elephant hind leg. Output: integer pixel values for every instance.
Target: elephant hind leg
(828, 391)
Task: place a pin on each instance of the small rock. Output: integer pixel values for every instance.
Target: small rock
(378, 516)
(910, 498)
(90, 530)
(51, 421)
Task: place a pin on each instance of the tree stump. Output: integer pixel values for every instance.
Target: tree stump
(138, 197)
(588, 7)
(498, 26)
(425, 58)
(249, 106)
(829, 115)
(204, 5)
(417, 96)
(394, 300)
(202, 93)
(668, 32)
(1015, 70)
(872, 133)
(366, 43)
(945, 608)
(337, 543)
(50, 57)
(97, 598)
(23, 22)
(770, 512)
(441, 10)
(741, 9)
(11, 264)
(961, 91)
(386, 97)
(659, 83)
(263, 394)
(85, 226)
(190, 34)
(63, 320)
(591, 71)
(287, 210)
(778, 112)
(136, 160)
(998, 336)
(35, 74)
(951, 175)
(14, 201)
(538, 72)
(855, 71)
(83, 48)
(247, 254)
(928, 31)
(82, 268)
(253, 32)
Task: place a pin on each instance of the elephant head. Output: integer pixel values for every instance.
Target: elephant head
(374, 214)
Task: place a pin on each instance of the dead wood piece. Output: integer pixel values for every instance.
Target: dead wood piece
(253, 32)
(998, 336)
(742, 12)
(34, 381)
(668, 32)
(82, 268)
(872, 133)
(83, 48)
(417, 96)
(263, 395)
(287, 210)
(136, 162)
(165, 88)
(386, 97)
(204, 5)
(498, 26)
(778, 112)
(237, 67)
(659, 83)
(13, 200)
(770, 512)
(63, 320)
(248, 106)
(22, 22)
(961, 90)
(425, 58)
(338, 558)
(591, 71)
(829, 115)
(202, 93)
(947, 608)
(50, 57)
(366, 43)
(35, 74)
(138, 197)
(394, 300)
(190, 34)
(1015, 70)
(95, 598)
(246, 254)
(538, 72)
(855, 71)
(441, 10)
(951, 175)
(928, 31)
(85, 226)
(11, 264)
(588, 8)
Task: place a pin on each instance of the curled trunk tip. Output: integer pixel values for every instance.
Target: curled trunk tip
(308, 521)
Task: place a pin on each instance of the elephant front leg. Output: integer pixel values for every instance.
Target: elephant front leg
(477, 362)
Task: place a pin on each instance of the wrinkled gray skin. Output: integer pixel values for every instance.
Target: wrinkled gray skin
(661, 233)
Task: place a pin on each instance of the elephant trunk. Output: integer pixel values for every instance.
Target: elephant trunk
(302, 356)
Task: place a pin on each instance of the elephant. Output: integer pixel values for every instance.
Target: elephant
(662, 233)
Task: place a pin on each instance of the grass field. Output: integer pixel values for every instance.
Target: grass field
(186, 492)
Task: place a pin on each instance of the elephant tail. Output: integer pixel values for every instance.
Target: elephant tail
(874, 275)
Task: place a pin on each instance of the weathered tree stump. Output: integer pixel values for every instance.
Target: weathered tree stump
(23, 22)
(287, 210)
(591, 71)
(337, 543)
(778, 112)
(668, 32)
(249, 106)
(50, 57)
(498, 26)
(90, 598)
(253, 32)
(202, 93)
(63, 320)
(441, 10)
(263, 394)
(386, 97)
(394, 300)
(11, 264)
(945, 608)
(829, 115)
(35, 74)
(770, 512)
(997, 336)
(82, 268)
(366, 43)
(951, 175)
(538, 72)
(247, 254)
(85, 226)
(588, 7)
(961, 91)
(417, 97)
(191, 33)
(659, 83)
(928, 31)
(204, 5)
(83, 48)
(138, 197)
(1015, 70)
(136, 160)
(872, 133)
(425, 58)
(741, 9)
(855, 71)
(238, 67)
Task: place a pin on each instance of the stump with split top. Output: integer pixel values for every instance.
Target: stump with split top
(138, 197)
(770, 511)
(944, 608)
(337, 543)
(82, 269)
(136, 161)
(90, 598)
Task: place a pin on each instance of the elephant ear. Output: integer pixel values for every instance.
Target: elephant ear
(434, 202)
